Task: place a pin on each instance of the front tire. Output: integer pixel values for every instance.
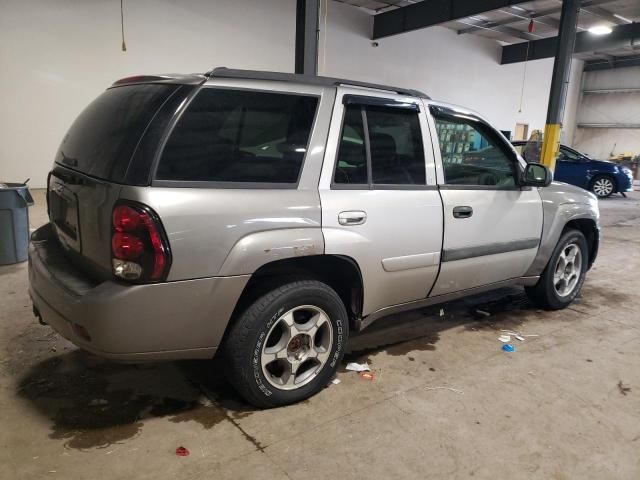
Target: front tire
(287, 344)
(603, 186)
(564, 275)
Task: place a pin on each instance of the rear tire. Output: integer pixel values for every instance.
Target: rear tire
(564, 275)
(287, 344)
(603, 186)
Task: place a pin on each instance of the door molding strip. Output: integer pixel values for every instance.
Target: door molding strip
(450, 255)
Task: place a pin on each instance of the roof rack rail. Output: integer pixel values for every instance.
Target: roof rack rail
(223, 72)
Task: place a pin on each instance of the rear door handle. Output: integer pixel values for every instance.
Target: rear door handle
(462, 212)
(352, 217)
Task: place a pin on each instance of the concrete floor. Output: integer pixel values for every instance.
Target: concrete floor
(446, 402)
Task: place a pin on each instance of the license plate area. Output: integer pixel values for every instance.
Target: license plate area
(63, 213)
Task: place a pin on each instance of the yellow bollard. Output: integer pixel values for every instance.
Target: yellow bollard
(551, 145)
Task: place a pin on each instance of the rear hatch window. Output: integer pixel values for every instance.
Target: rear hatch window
(103, 139)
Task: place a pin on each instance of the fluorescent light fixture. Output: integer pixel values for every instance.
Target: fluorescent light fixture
(624, 19)
(600, 30)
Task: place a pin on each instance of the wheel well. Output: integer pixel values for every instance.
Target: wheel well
(590, 231)
(339, 272)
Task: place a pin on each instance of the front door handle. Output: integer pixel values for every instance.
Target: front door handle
(352, 217)
(462, 212)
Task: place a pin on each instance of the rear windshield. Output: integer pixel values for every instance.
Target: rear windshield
(239, 136)
(104, 137)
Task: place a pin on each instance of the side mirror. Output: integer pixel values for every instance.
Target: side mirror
(536, 175)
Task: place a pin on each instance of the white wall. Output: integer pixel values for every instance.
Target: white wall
(618, 107)
(57, 55)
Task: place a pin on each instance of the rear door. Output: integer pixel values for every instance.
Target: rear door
(492, 226)
(380, 204)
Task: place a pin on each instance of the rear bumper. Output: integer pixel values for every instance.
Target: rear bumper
(163, 321)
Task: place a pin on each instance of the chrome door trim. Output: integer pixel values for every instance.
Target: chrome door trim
(489, 249)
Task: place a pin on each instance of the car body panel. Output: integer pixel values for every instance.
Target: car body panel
(129, 322)
(562, 203)
(204, 225)
(514, 217)
(89, 203)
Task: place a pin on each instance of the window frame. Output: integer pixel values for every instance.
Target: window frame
(362, 101)
(449, 114)
(156, 182)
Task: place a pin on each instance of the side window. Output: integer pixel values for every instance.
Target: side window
(472, 155)
(351, 162)
(239, 136)
(567, 156)
(390, 147)
(397, 156)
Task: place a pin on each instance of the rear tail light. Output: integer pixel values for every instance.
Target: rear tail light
(139, 249)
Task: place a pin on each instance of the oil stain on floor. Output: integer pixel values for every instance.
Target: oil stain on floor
(94, 403)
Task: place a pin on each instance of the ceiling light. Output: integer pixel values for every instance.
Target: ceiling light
(600, 30)
(624, 19)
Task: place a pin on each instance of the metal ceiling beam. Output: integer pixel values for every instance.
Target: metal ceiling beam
(618, 62)
(622, 36)
(537, 16)
(431, 12)
(609, 125)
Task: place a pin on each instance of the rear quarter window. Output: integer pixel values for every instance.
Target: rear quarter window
(239, 136)
(103, 138)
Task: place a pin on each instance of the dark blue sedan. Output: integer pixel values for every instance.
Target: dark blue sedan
(599, 176)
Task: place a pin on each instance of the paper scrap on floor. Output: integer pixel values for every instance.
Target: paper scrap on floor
(358, 367)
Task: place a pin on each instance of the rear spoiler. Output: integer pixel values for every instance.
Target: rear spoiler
(194, 79)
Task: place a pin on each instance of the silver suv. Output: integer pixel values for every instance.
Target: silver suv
(262, 216)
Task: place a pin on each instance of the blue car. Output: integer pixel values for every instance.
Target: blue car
(599, 176)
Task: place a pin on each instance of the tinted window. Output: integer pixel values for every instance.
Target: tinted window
(397, 157)
(239, 136)
(352, 158)
(472, 155)
(568, 155)
(103, 138)
(395, 147)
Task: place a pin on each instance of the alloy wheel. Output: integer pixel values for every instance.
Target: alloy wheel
(296, 348)
(568, 270)
(603, 187)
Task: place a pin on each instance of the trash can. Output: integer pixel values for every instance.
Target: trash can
(14, 222)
